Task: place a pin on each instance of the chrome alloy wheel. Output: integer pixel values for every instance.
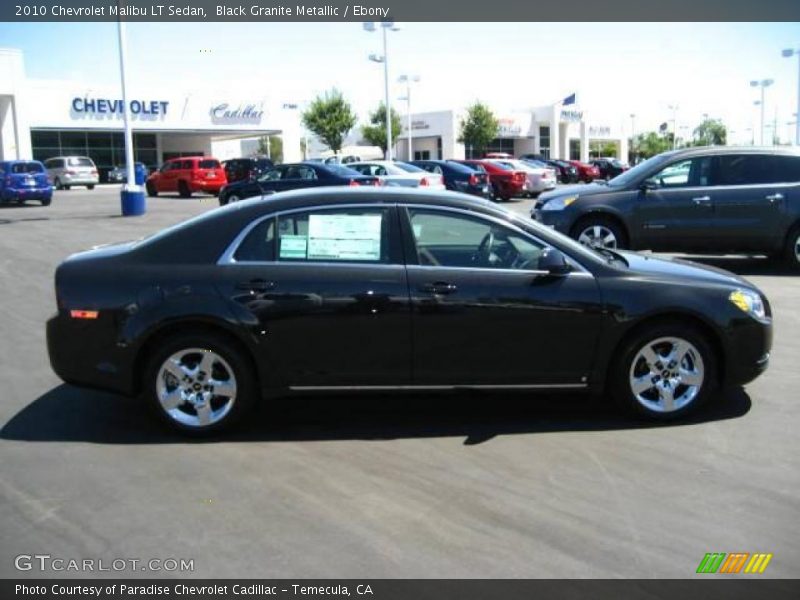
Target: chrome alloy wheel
(797, 248)
(666, 374)
(196, 387)
(598, 236)
(233, 198)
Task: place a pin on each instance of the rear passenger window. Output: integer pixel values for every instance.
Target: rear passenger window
(259, 245)
(785, 169)
(186, 164)
(352, 235)
(742, 169)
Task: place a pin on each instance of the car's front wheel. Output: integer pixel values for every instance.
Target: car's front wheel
(151, 189)
(664, 372)
(200, 384)
(183, 189)
(599, 232)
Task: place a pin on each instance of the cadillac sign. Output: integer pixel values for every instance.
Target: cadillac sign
(242, 113)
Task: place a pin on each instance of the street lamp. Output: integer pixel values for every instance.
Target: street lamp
(132, 196)
(674, 108)
(633, 137)
(788, 53)
(408, 80)
(763, 84)
(385, 27)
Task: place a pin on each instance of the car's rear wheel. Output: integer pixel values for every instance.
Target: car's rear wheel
(599, 232)
(151, 189)
(664, 372)
(200, 384)
(45, 201)
(57, 184)
(233, 198)
(90, 186)
(791, 252)
(183, 189)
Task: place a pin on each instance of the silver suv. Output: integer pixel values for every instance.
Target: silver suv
(66, 171)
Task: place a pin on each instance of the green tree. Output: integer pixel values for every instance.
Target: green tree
(711, 132)
(478, 128)
(375, 132)
(330, 117)
(272, 146)
(651, 143)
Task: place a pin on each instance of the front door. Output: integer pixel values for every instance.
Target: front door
(324, 291)
(677, 214)
(483, 314)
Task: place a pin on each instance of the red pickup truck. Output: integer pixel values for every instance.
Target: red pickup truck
(187, 175)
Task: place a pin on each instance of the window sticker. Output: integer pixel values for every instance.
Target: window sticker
(344, 237)
(293, 246)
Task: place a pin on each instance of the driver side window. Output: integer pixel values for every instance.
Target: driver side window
(454, 240)
(686, 173)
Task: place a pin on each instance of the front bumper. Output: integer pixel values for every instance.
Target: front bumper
(748, 347)
(559, 220)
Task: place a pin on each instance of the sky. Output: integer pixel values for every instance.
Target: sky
(616, 69)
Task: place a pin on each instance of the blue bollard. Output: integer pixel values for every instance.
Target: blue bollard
(133, 203)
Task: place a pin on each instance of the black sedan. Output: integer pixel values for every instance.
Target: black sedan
(609, 167)
(366, 289)
(293, 176)
(458, 177)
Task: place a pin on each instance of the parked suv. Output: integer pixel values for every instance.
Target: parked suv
(713, 199)
(186, 175)
(239, 169)
(66, 171)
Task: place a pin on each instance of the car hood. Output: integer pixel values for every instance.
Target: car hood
(590, 189)
(681, 269)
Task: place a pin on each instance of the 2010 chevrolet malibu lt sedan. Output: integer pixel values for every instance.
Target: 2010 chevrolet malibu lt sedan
(380, 289)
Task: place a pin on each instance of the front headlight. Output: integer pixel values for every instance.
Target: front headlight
(748, 301)
(559, 203)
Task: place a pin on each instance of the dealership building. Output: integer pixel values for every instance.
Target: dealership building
(40, 119)
(553, 131)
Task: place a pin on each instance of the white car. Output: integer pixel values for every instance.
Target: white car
(66, 171)
(539, 179)
(395, 173)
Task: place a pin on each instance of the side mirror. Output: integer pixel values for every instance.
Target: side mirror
(649, 184)
(554, 262)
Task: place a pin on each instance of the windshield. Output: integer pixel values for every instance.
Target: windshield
(635, 173)
(408, 168)
(79, 162)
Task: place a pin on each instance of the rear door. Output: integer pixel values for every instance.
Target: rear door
(751, 194)
(325, 293)
(678, 215)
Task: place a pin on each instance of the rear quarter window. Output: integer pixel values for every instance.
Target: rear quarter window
(29, 167)
(209, 164)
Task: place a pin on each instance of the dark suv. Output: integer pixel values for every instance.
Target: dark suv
(712, 199)
(240, 169)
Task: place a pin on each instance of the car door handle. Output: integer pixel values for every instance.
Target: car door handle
(701, 199)
(774, 197)
(256, 285)
(439, 287)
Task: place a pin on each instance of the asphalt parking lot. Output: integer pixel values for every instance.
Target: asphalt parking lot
(370, 487)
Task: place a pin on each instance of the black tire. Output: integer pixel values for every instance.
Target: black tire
(57, 184)
(90, 187)
(65, 187)
(151, 189)
(45, 201)
(183, 189)
(623, 369)
(791, 251)
(231, 353)
(591, 221)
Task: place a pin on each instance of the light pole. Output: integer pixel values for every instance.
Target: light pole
(633, 137)
(763, 84)
(788, 53)
(132, 196)
(674, 108)
(408, 80)
(385, 27)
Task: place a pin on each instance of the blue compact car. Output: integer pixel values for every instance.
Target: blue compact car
(22, 180)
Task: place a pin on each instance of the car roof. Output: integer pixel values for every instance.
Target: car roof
(717, 150)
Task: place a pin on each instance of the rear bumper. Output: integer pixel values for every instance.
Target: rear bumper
(82, 353)
(79, 180)
(25, 193)
(211, 187)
